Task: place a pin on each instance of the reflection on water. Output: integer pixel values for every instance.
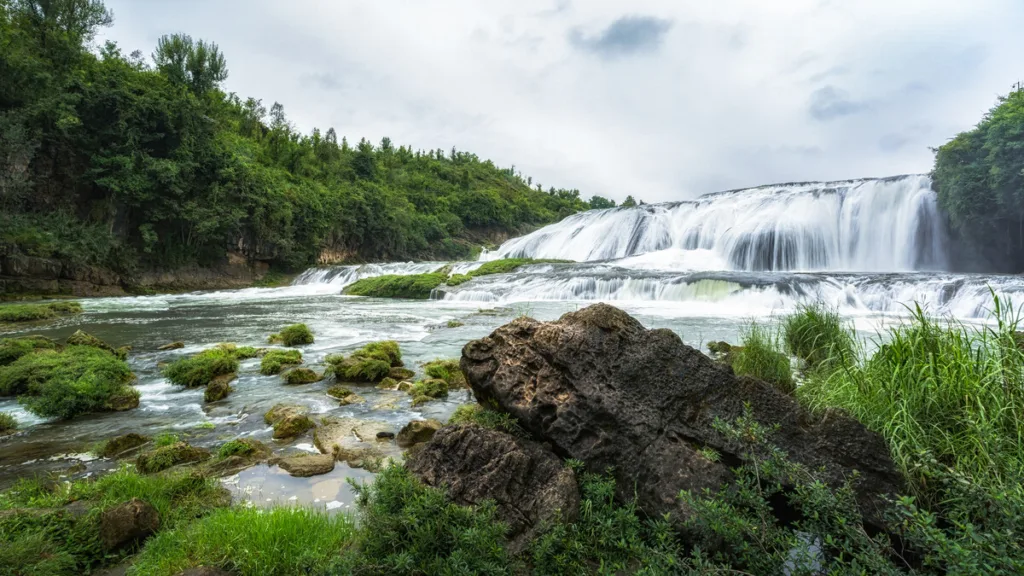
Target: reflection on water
(265, 486)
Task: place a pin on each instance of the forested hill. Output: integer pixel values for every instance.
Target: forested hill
(137, 162)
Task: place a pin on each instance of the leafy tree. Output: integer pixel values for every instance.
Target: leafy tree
(198, 65)
(598, 202)
(629, 202)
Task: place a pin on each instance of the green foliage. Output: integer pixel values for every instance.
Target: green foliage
(760, 356)
(66, 383)
(8, 423)
(599, 203)
(409, 528)
(979, 177)
(276, 360)
(236, 447)
(202, 368)
(431, 388)
(937, 389)
(169, 455)
(490, 419)
(454, 324)
(166, 439)
(447, 370)
(173, 169)
(510, 265)
(301, 376)
(249, 541)
(366, 370)
(387, 350)
(338, 392)
(29, 312)
(13, 348)
(456, 279)
(43, 542)
(294, 335)
(412, 286)
(816, 335)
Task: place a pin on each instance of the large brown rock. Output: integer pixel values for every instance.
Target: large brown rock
(603, 389)
(127, 523)
(417, 431)
(305, 465)
(528, 483)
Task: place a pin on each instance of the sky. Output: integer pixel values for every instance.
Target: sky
(659, 99)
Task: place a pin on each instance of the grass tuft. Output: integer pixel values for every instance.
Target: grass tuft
(817, 335)
(760, 357)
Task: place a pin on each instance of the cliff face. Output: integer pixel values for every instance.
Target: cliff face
(29, 275)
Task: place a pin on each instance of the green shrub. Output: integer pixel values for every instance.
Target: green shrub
(294, 335)
(447, 370)
(456, 279)
(201, 369)
(816, 335)
(413, 286)
(760, 357)
(63, 384)
(29, 312)
(409, 528)
(13, 348)
(239, 352)
(249, 541)
(8, 423)
(275, 360)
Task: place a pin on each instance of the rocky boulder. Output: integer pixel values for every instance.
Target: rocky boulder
(127, 523)
(601, 388)
(528, 482)
(417, 432)
(219, 387)
(305, 465)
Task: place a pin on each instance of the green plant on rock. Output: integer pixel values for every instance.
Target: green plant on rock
(13, 348)
(169, 455)
(237, 447)
(166, 439)
(447, 370)
(8, 424)
(760, 357)
(301, 376)
(387, 350)
(30, 312)
(276, 360)
(817, 335)
(456, 279)
(201, 369)
(294, 335)
(430, 388)
(506, 265)
(413, 286)
(491, 419)
(66, 383)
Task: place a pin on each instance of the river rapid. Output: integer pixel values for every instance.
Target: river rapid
(703, 269)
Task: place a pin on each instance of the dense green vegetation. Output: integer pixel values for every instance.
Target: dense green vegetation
(8, 423)
(761, 357)
(29, 312)
(979, 177)
(817, 335)
(202, 368)
(276, 360)
(413, 286)
(13, 348)
(506, 265)
(294, 335)
(109, 158)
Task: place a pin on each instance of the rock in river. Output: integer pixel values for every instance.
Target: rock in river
(601, 388)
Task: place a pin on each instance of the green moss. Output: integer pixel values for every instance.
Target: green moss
(384, 350)
(239, 352)
(122, 444)
(400, 374)
(491, 419)
(165, 457)
(371, 363)
(8, 424)
(275, 360)
(166, 439)
(509, 265)
(219, 388)
(454, 324)
(431, 388)
(30, 312)
(201, 369)
(13, 348)
(292, 425)
(294, 335)
(456, 279)
(338, 392)
(63, 384)
(239, 447)
(413, 286)
(447, 370)
(301, 376)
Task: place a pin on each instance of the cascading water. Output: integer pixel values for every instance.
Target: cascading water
(880, 225)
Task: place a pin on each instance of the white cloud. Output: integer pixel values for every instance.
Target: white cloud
(704, 96)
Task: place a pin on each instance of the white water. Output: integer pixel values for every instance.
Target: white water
(886, 225)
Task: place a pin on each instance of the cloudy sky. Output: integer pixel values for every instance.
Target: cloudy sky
(660, 99)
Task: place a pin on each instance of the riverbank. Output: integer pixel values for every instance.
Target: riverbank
(381, 528)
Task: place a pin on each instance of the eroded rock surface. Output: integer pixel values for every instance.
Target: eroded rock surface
(127, 523)
(603, 389)
(529, 484)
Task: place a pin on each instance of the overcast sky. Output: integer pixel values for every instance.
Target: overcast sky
(659, 99)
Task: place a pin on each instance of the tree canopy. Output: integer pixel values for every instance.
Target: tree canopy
(111, 159)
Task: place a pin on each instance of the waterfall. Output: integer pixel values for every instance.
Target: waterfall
(871, 225)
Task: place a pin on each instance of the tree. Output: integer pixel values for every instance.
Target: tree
(598, 203)
(629, 202)
(75, 20)
(198, 65)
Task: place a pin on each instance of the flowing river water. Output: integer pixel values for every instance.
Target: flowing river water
(703, 269)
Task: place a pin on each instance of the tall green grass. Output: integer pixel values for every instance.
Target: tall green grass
(760, 356)
(817, 335)
(944, 394)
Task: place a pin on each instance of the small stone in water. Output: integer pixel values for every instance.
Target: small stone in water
(385, 435)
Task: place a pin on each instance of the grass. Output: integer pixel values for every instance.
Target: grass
(166, 439)
(491, 419)
(447, 370)
(276, 360)
(413, 286)
(13, 348)
(70, 382)
(510, 265)
(237, 447)
(942, 393)
(456, 279)
(760, 357)
(166, 456)
(30, 312)
(432, 388)
(817, 335)
(8, 423)
(294, 335)
(250, 541)
(200, 369)
(454, 324)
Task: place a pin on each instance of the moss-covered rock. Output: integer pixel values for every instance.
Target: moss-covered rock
(201, 369)
(294, 335)
(431, 387)
(371, 363)
(416, 432)
(219, 388)
(293, 425)
(121, 444)
(447, 370)
(80, 338)
(387, 350)
(344, 395)
(274, 361)
(239, 352)
(420, 399)
(13, 348)
(171, 346)
(30, 312)
(454, 324)
(507, 265)
(456, 279)
(167, 456)
(127, 398)
(248, 447)
(301, 376)
(413, 286)
(388, 384)
(280, 411)
(400, 374)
